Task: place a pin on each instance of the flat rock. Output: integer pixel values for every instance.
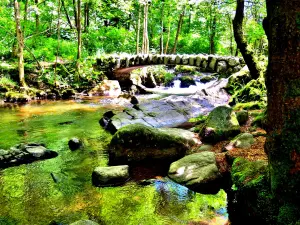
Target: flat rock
(84, 222)
(112, 175)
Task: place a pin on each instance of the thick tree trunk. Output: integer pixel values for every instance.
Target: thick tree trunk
(162, 29)
(241, 41)
(138, 31)
(282, 27)
(20, 45)
(180, 21)
(145, 47)
(67, 14)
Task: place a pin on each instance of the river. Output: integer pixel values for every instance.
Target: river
(30, 195)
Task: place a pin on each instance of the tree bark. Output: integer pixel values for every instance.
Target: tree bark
(231, 34)
(162, 29)
(20, 43)
(212, 47)
(241, 41)
(138, 31)
(67, 14)
(75, 13)
(180, 21)
(168, 37)
(86, 16)
(78, 29)
(282, 27)
(145, 46)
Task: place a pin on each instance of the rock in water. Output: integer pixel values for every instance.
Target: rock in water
(137, 142)
(75, 144)
(220, 125)
(84, 222)
(198, 171)
(108, 176)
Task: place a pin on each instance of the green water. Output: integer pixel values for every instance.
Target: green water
(29, 195)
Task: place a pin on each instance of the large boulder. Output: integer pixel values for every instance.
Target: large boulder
(109, 176)
(198, 172)
(137, 142)
(220, 125)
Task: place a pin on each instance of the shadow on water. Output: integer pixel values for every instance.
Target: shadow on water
(59, 190)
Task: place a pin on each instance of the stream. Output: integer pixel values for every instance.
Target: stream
(30, 195)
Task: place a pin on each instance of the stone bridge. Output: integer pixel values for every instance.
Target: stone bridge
(210, 63)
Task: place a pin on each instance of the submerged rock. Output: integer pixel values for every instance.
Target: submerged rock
(137, 142)
(108, 176)
(220, 125)
(24, 153)
(198, 171)
(186, 81)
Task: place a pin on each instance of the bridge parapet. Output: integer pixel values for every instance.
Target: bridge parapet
(210, 63)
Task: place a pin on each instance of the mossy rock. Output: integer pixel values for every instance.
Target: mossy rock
(238, 79)
(208, 78)
(137, 142)
(260, 120)
(186, 81)
(198, 172)
(255, 90)
(221, 124)
(185, 69)
(244, 140)
(16, 97)
(250, 105)
(242, 116)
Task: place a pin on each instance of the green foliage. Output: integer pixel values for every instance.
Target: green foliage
(6, 84)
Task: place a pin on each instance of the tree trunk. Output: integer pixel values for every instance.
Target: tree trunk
(20, 45)
(212, 47)
(37, 16)
(75, 13)
(58, 38)
(282, 27)
(241, 41)
(231, 34)
(78, 29)
(86, 16)
(168, 38)
(26, 10)
(67, 14)
(162, 29)
(138, 31)
(145, 47)
(180, 21)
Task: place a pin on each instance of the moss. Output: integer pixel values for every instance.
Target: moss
(185, 69)
(186, 81)
(16, 97)
(207, 79)
(255, 203)
(250, 105)
(255, 90)
(260, 120)
(289, 214)
(199, 119)
(242, 116)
